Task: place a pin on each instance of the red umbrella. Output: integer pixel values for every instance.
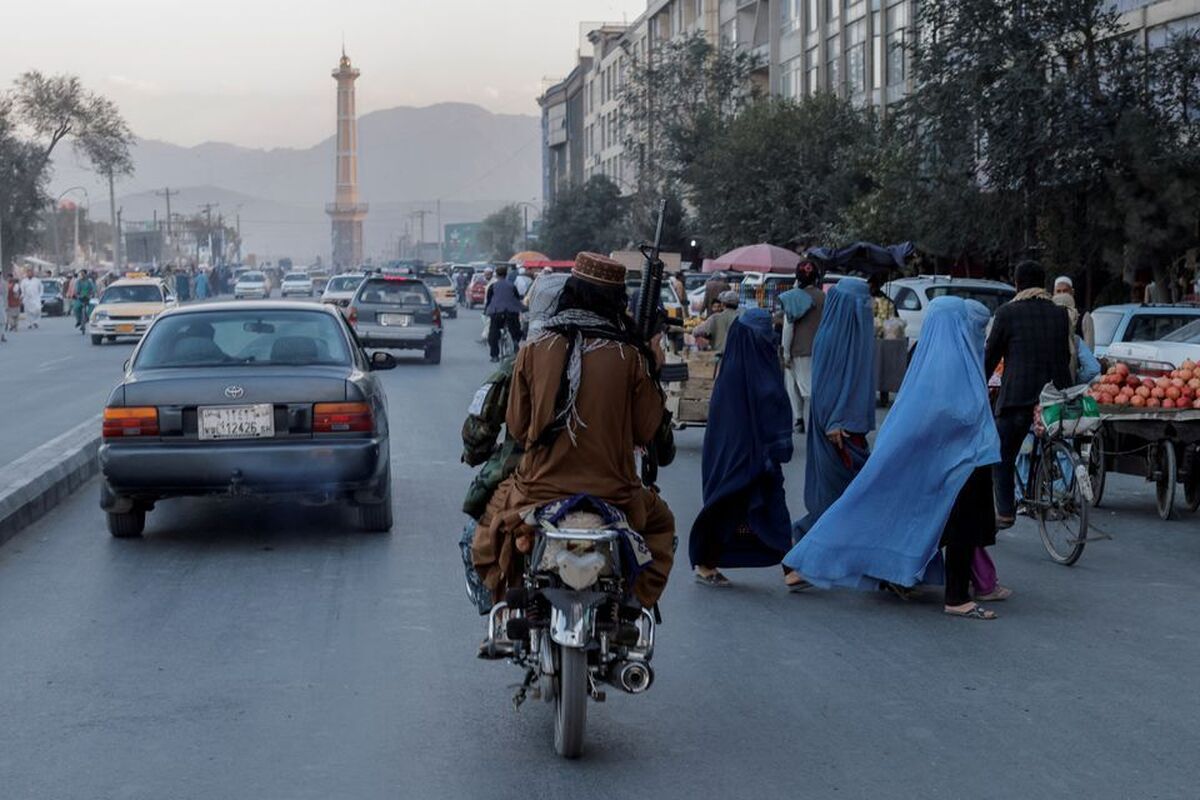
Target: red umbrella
(755, 258)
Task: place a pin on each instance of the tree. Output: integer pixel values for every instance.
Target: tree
(591, 217)
(782, 170)
(674, 100)
(501, 232)
(49, 110)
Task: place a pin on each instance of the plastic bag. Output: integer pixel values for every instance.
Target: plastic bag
(1069, 412)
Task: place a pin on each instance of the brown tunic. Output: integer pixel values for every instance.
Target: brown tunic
(620, 408)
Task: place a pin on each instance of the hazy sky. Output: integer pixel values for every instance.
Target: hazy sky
(256, 72)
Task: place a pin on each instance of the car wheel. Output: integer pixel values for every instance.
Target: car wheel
(377, 517)
(112, 339)
(97, 339)
(433, 354)
(128, 525)
(452, 313)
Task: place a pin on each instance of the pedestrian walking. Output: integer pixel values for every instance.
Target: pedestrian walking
(12, 303)
(31, 298)
(201, 285)
(85, 290)
(745, 520)
(843, 409)
(927, 486)
(1030, 335)
(802, 310)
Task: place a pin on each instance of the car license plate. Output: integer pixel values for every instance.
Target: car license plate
(125, 328)
(397, 320)
(237, 422)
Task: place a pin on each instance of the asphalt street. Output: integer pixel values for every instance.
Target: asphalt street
(54, 379)
(243, 651)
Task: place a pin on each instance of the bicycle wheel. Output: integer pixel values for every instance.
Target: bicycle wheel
(1062, 510)
(1098, 469)
(1166, 476)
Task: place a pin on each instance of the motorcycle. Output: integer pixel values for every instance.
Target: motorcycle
(572, 624)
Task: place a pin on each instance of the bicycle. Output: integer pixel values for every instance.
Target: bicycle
(1058, 493)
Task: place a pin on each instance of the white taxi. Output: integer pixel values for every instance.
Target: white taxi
(127, 308)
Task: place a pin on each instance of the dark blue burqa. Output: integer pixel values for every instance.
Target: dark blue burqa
(745, 522)
(843, 397)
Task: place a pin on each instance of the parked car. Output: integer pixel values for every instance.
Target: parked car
(443, 292)
(1139, 323)
(127, 307)
(296, 284)
(1171, 350)
(759, 290)
(53, 302)
(341, 289)
(272, 400)
(252, 285)
(912, 296)
(398, 313)
(320, 279)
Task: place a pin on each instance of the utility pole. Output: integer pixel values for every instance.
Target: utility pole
(421, 214)
(441, 246)
(207, 209)
(167, 194)
(54, 225)
(117, 232)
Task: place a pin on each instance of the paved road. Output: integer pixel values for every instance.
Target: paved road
(53, 380)
(243, 652)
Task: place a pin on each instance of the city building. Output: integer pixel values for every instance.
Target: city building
(346, 212)
(856, 48)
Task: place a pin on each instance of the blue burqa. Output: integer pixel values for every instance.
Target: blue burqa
(745, 522)
(843, 396)
(888, 525)
(201, 285)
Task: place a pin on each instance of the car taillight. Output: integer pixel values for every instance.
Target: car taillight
(342, 418)
(120, 423)
(353, 315)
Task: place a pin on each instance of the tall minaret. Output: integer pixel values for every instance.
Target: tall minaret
(345, 210)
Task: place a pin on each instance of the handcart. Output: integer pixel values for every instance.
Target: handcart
(1161, 445)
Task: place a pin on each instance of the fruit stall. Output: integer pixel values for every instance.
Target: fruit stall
(689, 387)
(1150, 427)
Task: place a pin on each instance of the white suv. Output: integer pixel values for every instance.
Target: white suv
(912, 296)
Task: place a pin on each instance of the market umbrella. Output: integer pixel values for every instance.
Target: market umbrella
(755, 258)
(863, 257)
(529, 255)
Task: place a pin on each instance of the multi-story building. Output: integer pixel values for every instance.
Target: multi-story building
(858, 49)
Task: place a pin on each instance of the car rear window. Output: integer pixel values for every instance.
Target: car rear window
(1188, 334)
(394, 293)
(295, 276)
(1152, 327)
(437, 280)
(144, 293)
(252, 277)
(244, 338)
(992, 298)
(344, 283)
(1106, 324)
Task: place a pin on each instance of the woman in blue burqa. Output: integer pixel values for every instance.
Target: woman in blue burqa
(927, 484)
(744, 522)
(842, 411)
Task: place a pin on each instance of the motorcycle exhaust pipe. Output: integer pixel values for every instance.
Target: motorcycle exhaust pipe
(634, 677)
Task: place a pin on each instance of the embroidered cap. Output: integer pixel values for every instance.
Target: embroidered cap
(595, 268)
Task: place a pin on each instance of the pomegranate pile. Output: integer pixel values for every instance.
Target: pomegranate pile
(1179, 389)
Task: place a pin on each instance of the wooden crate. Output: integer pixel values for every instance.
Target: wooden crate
(702, 364)
(693, 410)
(697, 389)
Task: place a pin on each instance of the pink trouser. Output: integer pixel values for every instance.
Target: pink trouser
(983, 572)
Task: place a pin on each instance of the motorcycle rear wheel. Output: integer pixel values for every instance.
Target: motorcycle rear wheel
(570, 702)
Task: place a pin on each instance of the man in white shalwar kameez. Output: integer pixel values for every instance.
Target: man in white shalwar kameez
(31, 297)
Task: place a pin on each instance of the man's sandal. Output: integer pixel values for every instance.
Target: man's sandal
(997, 595)
(714, 579)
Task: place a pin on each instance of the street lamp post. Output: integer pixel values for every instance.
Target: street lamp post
(525, 206)
(87, 200)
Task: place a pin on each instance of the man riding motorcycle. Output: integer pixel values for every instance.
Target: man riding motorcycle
(583, 398)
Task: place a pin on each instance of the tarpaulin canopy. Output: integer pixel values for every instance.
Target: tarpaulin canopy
(755, 258)
(529, 255)
(862, 257)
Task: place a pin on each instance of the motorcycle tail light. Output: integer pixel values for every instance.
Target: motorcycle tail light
(342, 418)
(123, 423)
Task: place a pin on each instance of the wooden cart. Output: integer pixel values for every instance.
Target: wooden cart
(688, 400)
(1163, 446)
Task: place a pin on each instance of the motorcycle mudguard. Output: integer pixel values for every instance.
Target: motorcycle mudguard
(571, 615)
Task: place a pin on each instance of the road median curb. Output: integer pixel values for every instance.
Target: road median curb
(42, 478)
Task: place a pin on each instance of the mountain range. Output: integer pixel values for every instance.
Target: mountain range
(471, 159)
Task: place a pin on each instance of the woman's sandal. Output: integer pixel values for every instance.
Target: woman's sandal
(997, 595)
(1004, 523)
(795, 583)
(903, 592)
(714, 579)
(975, 612)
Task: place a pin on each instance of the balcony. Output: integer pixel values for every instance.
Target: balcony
(346, 208)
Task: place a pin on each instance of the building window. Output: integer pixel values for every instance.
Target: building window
(729, 33)
(876, 52)
(812, 65)
(833, 64)
(791, 79)
(790, 19)
(833, 10)
(856, 57)
(812, 6)
(896, 68)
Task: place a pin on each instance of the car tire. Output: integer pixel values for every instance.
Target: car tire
(97, 340)
(128, 525)
(452, 313)
(377, 517)
(433, 354)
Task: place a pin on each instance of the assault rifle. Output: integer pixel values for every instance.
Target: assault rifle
(647, 321)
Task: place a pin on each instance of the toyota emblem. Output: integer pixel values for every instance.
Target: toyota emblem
(234, 392)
